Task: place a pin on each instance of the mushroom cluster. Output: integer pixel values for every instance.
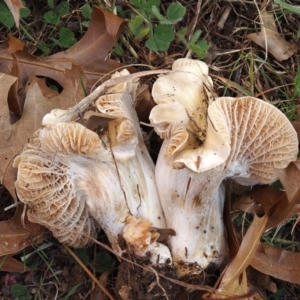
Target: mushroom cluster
(71, 177)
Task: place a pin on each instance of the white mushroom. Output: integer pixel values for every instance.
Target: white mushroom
(50, 170)
(108, 174)
(246, 140)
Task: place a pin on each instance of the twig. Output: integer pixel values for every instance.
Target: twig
(193, 26)
(72, 113)
(103, 288)
(224, 17)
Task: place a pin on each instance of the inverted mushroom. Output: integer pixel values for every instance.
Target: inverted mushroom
(49, 170)
(247, 139)
(68, 174)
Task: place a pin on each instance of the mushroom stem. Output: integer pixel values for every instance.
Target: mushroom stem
(204, 143)
(193, 206)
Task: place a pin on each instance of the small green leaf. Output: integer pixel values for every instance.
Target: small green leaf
(67, 37)
(118, 50)
(18, 290)
(86, 11)
(158, 15)
(82, 255)
(6, 17)
(51, 17)
(175, 12)
(50, 3)
(57, 42)
(147, 7)
(196, 36)
(43, 47)
(138, 3)
(293, 8)
(136, 28)
(104, 262)
(200, 48)
(86, 24)
(63, 8)
(163, 36)
(24, 12)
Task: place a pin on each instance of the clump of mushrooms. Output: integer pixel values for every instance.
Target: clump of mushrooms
(71, 177)
(245, 139)
(74, 179)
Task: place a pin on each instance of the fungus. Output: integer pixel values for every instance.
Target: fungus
(247, 139)
(69, 174)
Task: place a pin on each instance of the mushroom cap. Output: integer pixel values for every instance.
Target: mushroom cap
(182, 110)
(45, 182)
(252, 136)
(262, 139)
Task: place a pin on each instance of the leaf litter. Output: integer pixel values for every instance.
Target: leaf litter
(28, 96)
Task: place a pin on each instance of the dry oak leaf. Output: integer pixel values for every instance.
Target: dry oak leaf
(15, 237)
(10, 264)
(14, 136)
(14, 7)
(270, 39)
(15, 60)
(278, 263)
(91, 52)
(245, 254)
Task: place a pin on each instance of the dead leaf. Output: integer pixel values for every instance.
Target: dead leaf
(290, 179)
(261, 200)
(91, 52)
(245, 254)
(278, 263)
(17, 61)
(270, 39)
(9, 264)
(14, 137)
(286, 207)
(237, 287)
(233, 242)
(262, 280)
(145, 102)
(14, 237)
(247, 204)
(14, 7)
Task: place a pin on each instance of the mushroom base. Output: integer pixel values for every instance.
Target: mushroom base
(135, 282)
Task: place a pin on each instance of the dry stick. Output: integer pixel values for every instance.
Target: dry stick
(72, 113)
(194, 23)
(224, 17)
(101, 286)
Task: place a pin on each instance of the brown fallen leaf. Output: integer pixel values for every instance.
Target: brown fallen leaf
(91, 52)
(286, 207)
(239, 286)
(278, 263)
(14, 7)
(262, 280)
(14, 237)
(270, 39)
(296, 123)
(9, 264)
(261, 200)
(14, 137)
(245, 254)
(233, 242)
